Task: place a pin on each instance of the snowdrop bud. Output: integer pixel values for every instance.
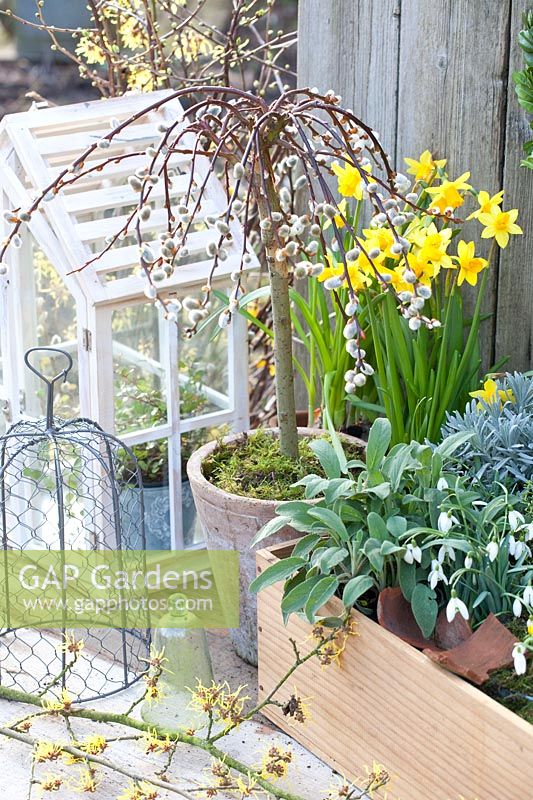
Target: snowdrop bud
(492, 550)
(469, 560)
(375, 252)
(350, 330)
(351, 308)
(103, 144)
(333, 283)
(352, 348)
(353, 254)
(517, 607)
(359, 379)
(224, 319)
(238, 171)
(519, 658)
(415, 323)
(442, 484)
(150, 291)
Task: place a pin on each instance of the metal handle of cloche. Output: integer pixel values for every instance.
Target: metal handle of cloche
(50, 382)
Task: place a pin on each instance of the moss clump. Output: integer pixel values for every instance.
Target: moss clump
(253, 466)
(510, 689)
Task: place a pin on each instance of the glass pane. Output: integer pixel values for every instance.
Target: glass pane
(139, 381)
(49, 321)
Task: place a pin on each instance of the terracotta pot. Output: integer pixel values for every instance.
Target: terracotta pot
(302, 417)
(230, 522)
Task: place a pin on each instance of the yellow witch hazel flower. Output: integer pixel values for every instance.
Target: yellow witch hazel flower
(63, 703)
(487, 204)
(94, 745)
(447, 196)
(424, 168)
(469, 265)
(500, 225)
(491, 394)
(349, 179)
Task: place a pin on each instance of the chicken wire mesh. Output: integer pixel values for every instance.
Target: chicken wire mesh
(67, 484)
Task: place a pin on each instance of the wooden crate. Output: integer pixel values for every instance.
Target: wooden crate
(439, 737)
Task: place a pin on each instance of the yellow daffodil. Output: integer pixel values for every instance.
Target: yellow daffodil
(491, 394)
(448, 194)
(487, 204)
(434, 248)
(382, 238)
(424, 167)
(500, 225)
(338, 218)
(469, 265)
(423, 268)
(358, 278)
(349, 179)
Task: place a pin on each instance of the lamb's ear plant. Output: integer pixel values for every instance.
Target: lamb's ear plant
(372, 526)
(500, 424)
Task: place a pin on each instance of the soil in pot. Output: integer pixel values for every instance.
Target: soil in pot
(513, 691)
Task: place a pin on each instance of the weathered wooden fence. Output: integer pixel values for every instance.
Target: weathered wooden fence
(437, 74)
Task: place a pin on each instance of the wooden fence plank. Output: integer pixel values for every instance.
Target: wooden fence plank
(514, 320)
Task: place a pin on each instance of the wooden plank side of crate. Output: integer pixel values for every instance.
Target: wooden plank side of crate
(438, 736)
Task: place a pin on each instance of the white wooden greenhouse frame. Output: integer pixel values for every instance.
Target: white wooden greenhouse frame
(34, 145)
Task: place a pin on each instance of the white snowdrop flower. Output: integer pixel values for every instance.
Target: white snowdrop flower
(446, 521)
(528, 596)
(446, 550)
(333, 283)
(351, 308)
(352, 348)
(436, 574)
(415, 323)
(375, 252)
(516, 547)
(455, 606)
(442, 484)
(350, 330)
(469, 560)
(359, 379)
(519, 658)
(353, 254)
(150, 291)
(238, 171)
(516, 519)
(528, 529)
(492, 550)
(412, 553)
(517, 607)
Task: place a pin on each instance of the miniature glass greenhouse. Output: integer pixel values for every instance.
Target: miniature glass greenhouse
(134, 371)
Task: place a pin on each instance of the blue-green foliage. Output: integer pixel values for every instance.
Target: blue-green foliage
(501, 446)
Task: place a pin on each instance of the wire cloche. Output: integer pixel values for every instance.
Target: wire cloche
(65, 485)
